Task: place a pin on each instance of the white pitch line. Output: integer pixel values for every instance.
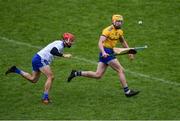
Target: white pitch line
(93, 62)
(20, 43)
(154, 78)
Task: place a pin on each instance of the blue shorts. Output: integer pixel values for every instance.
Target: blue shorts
(109, 58)
(38, 62)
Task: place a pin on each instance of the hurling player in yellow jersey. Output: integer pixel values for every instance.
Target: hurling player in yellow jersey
(111, 35)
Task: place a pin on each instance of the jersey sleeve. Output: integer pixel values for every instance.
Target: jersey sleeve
(60, 48)
(105, 32)
(55, 52)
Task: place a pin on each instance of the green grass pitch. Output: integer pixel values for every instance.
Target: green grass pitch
(26, 25)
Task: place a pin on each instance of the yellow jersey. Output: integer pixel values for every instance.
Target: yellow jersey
(113, 35)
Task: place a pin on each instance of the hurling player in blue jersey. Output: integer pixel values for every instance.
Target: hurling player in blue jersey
(41, 63)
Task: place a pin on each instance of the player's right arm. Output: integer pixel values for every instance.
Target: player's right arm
(103, 37)
(101, 47)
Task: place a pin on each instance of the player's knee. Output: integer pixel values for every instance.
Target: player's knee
(98, 76)
(51, 77)
(120, 70)
(34, 80)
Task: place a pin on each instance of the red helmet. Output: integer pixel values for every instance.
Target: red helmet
(68, 36)
(68, 39)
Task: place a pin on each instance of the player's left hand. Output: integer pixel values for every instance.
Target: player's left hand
(67, 55)
(131, 56)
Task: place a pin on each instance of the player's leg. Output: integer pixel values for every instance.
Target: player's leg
(46, 70)
(101, 68)
(119, 69)
(36, 64)
(34, 77)
(31, 77)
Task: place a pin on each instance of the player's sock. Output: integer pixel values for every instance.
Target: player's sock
(45, 96)
(126, 90)
(18, 71)
(77, 73)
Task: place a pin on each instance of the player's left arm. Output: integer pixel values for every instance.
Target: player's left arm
(123, 42)
(54, 51)
(125, 45)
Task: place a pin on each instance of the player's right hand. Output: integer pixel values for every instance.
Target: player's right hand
(105, 55)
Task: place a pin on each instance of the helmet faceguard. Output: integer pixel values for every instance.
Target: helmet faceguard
(68, 39)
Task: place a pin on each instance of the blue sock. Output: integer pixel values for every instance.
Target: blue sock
(45, 95)
(126, 89)
(18, 71)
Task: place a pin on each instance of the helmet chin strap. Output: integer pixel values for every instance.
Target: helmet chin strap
(69, 46)
(117, 27)
(66, 43)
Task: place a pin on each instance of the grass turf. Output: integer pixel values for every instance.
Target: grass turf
(155, 71)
